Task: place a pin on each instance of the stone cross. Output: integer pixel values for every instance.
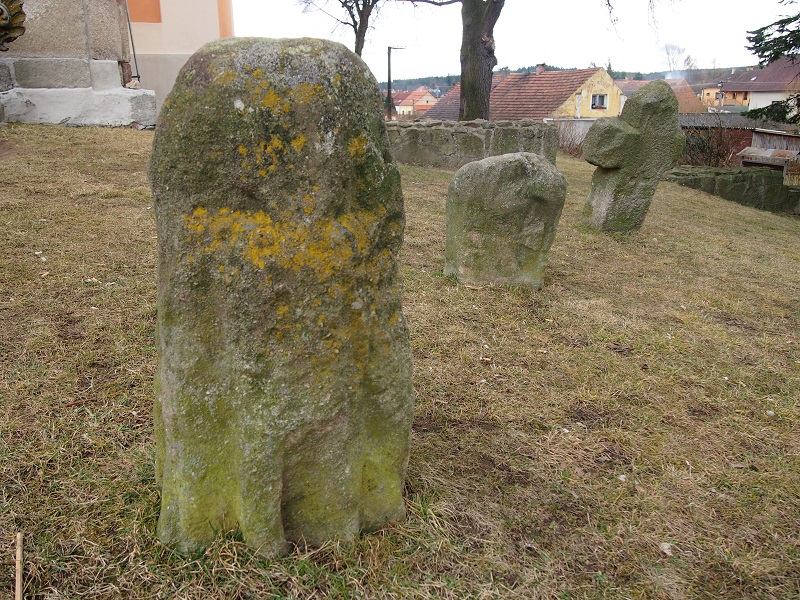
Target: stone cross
(502, 214)
(283, 393)
(632, 152)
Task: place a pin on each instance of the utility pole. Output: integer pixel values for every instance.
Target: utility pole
(389, 103)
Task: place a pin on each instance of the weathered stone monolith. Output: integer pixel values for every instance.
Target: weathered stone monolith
(632, 153)
(502, 214)
(283, 393)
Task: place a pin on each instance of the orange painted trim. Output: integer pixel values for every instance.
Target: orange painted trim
(144, 11)
(225, 14)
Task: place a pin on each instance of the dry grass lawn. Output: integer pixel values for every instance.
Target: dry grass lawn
(635, 434)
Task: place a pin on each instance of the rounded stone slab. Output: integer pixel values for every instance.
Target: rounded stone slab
(502, 215)
(283, 392)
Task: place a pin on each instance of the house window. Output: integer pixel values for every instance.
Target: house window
(600, 101)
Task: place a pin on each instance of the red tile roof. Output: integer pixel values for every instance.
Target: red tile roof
(535, 95)
(398, 97)
(782, 75)
(447, 107)
(519, 95)
(688, 102)
(412, 98)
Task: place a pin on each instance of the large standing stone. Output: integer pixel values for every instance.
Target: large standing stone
(283, 393)
(502, 214)
(631, 153)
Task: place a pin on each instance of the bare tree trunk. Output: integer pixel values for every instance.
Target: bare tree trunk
(364, 11)
(478, 19)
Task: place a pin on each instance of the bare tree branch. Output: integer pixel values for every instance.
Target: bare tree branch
(358, 12)
(433, 2)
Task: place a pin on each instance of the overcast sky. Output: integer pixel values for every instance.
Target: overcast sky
(563, 33)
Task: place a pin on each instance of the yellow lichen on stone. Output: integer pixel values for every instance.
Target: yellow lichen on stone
(305, 93)
(298, 143)
(224, 77)
(323, 248)
(358, 145)
(308, 204)
(275, 142)
(273, 101)
(271, 153)
(350, 222)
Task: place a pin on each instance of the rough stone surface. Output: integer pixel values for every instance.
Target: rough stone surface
(106, 74)
(69, 29)
(53, 28)
(757, 187)
(52, 73)
(108, 32)
(631, 153)
(80, 106)
(502, 214)
(6, 79)
(283, 393)
(452, 144)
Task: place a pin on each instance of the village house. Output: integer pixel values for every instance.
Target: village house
(755, 88)
(413, 104)
(539, 95)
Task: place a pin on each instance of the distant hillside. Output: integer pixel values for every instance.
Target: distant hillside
(442, 83)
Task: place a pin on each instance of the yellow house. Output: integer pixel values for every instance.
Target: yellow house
(578, 93)
(166, 33)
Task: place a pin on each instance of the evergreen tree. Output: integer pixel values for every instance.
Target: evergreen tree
(769, 43)
(781, 38)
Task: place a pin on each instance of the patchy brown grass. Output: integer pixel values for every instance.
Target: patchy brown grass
(635, 434)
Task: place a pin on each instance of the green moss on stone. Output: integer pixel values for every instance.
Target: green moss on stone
(632, 152)
(279, 217)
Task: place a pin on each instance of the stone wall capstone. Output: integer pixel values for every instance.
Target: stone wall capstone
(452, 144)
(284, 397)
(751, 186)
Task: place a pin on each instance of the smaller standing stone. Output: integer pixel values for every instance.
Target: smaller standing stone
(632, 152)
(502, 214)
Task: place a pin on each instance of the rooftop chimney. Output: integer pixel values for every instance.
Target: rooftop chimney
(540, 69)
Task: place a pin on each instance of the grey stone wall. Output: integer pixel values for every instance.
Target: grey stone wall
(757, 187)
(62, 38)
(70, 67)
(452, 144)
